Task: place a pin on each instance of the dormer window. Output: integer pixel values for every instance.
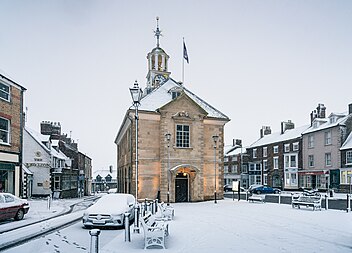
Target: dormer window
(332, 120)
(175, 94)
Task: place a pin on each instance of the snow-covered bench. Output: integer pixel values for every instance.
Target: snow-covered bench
(302, 200)
(167, 211)
(154, 231)
(258, 198)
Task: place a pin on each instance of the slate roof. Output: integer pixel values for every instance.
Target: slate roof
(278, 137)
(348, 143)
(161, 95)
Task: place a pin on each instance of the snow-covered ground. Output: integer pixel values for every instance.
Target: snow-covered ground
(228, 226)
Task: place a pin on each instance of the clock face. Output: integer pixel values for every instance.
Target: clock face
(160, 78)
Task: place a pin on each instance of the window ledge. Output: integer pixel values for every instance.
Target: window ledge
(5, 144)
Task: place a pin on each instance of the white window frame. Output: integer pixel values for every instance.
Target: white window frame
(328, 161)
(183, 137)
(311, 141)
(327, 137)
(276, 149)
(310, 160)
(5, 131)
(295, 146)
(265, 151)
(265, 165)
(265, 179)
(4, 94)
(349, 157)
(287, 147)
(275, 162)
(345, 176)
(255, 153)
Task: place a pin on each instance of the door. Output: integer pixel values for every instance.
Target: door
(181, 187)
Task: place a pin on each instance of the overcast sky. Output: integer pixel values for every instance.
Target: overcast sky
(259, 62)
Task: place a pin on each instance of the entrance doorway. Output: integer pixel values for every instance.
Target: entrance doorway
(181, 187)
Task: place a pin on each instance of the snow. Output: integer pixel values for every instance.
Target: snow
(228, 226)
(348, 143)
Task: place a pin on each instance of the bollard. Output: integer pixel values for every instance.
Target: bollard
(348, 203)
(246, 195)
(49, 202)
(153, 206)
(279, 197)
(136, 227)
(326, 202)
(291, 197)
(127, 228)
(94, 240)
(156, 205)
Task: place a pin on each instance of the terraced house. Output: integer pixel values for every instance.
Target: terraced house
(11, 135)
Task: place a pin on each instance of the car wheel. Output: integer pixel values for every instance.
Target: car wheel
(19, 214)
(277, 192)
(258, 192)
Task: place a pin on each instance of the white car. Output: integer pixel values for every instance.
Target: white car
(109, 211)
(12, 207)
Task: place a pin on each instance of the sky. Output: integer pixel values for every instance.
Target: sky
(259, 62)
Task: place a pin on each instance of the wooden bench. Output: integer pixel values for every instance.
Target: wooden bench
(154, 231)
(257, 198)
(307, 201)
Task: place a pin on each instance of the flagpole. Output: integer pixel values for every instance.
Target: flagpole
(183, 62)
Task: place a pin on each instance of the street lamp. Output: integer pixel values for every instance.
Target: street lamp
(215, 139)
(136, 94)
(168, 139)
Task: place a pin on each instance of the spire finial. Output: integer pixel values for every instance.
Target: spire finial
(157, 32)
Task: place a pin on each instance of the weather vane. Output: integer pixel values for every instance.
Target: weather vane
(157, 32)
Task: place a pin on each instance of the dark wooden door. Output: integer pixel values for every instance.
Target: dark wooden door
(181, 188)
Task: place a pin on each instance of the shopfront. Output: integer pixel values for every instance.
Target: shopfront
(7, 177)
(317, 179)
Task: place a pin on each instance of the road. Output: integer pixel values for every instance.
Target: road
(74, 238)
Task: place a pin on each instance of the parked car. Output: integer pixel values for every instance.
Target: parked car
(251, 187)
(265, 190)
(109, 211)
(12, 207)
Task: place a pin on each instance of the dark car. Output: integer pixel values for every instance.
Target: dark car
(12, 207)
(264, 190)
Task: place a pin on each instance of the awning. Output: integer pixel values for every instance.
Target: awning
(314, 172)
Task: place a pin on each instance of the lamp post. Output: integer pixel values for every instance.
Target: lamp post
(168, 139)
(136, 94)
(215, 139)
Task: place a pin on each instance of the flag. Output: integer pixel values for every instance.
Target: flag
(185, 55)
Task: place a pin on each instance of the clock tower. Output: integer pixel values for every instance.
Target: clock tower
(157, 63)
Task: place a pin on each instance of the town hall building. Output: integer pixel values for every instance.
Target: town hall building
(180, 140)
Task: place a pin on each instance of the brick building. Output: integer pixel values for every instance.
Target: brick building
(11, 135)
(187, 166)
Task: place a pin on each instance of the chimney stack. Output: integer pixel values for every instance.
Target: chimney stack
(321, 111)
(265, 130)
(286, 126)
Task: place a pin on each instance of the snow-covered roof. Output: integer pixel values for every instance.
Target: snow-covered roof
(230, 150)
(326, 123)
(348, 143)
(104, 173)
(162, 95)
(278, 137)
(39, 138)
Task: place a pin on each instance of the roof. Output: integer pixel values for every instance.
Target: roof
(104, 173)
(278, 137)
(325, 122)
(40, 139)
(348, 143)
(2, 75)
(230, 150)
(162, 95)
